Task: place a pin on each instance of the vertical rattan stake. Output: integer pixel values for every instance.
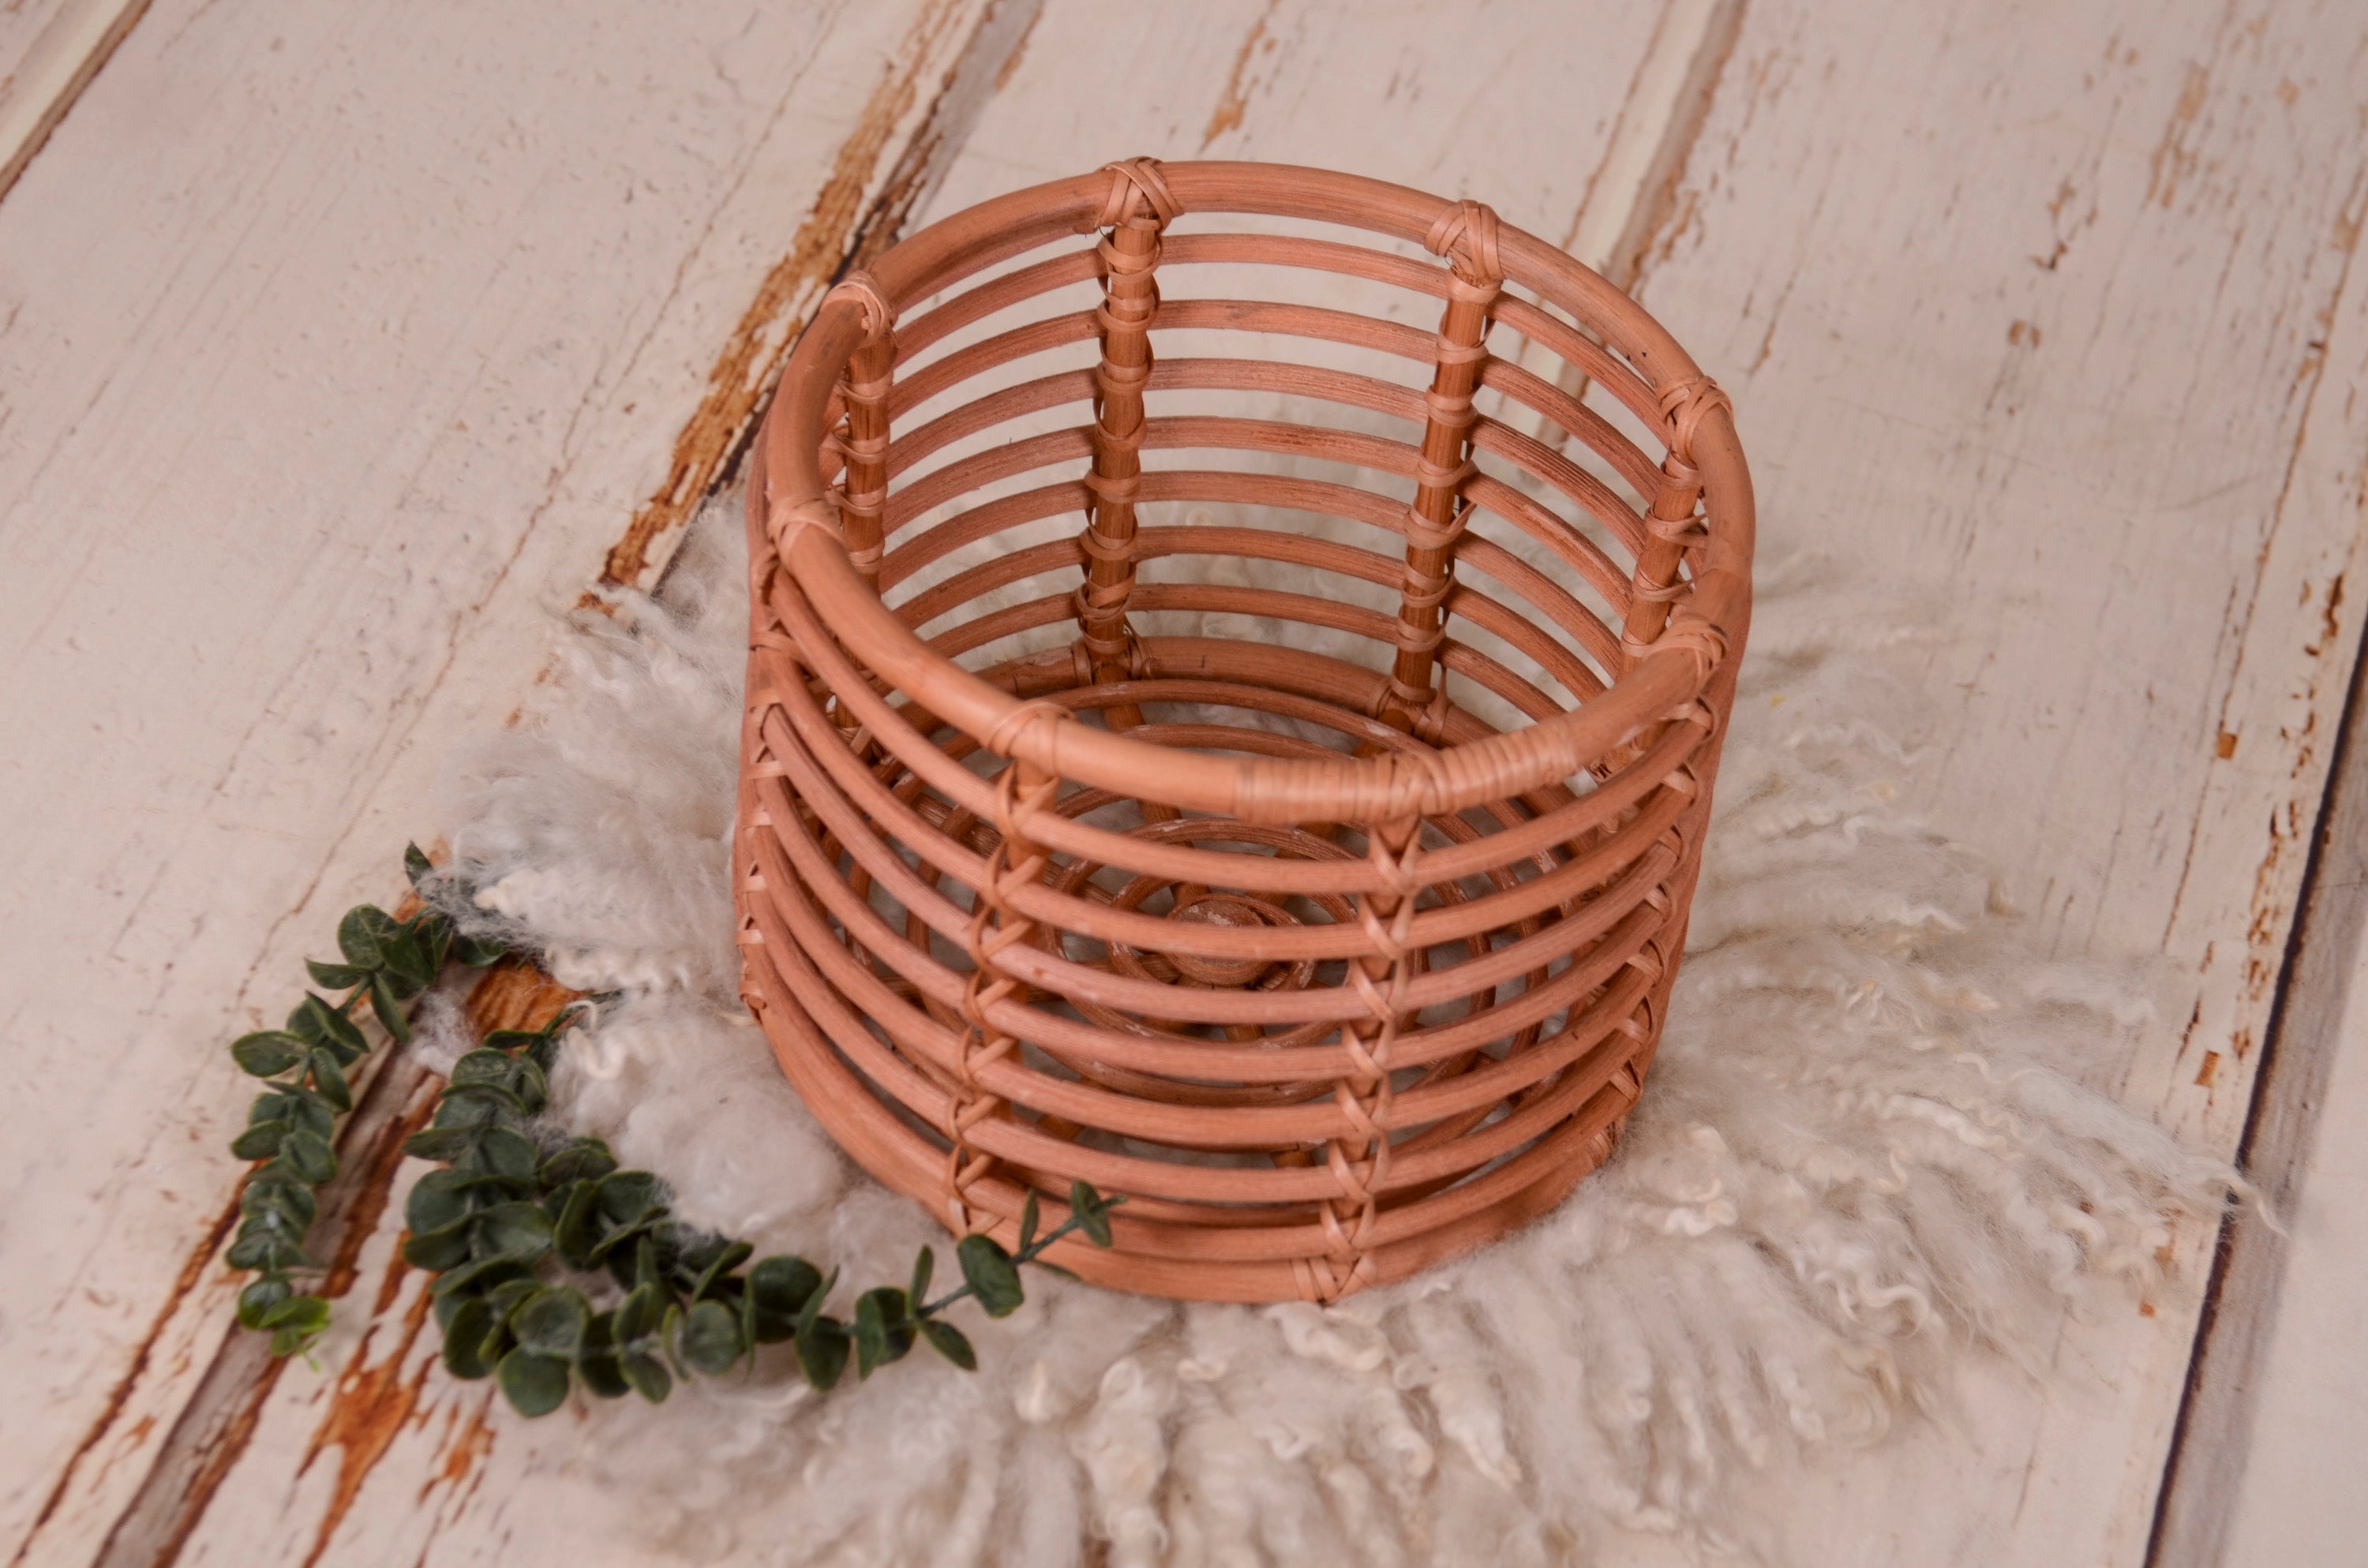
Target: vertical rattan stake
(1139, 207)
(1466, 236)
(1672, 526)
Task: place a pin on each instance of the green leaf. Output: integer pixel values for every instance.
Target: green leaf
(439, 1201)
(329, 1079)
(1092, 1212)
(318, 1020)
(883, 1330)
(464, 1339)
(918, 1292)
(433, 930)
(711, 1338)
(552, 1321)
(446, 1247)
(388, 1008)
(1051, 1267)
(584, 1159)
(520, 1231)
(535, 1385)
(951, 1342)
(291, 1201)
(598, 1363)
(260, 1141)
(647, 1375)
(441, 1143)
(405, 957)
(508, 1152)
(361, 936)
(578, 1230)
(714, 1269)
(1027, 1219)
(630, 1196)
(415, 864)
(821, 1352)
(506, 1297)
(263, 1249)
(476, 1105)
(778, 1289)
(309, 1156)
(335, 976)
(480, 1066)
(479, 951)
(480, 1275)
(295, 1322)
(531, 1087)
(267, 1052)
(992, 1275)
(260, 1298)
(639, 1316)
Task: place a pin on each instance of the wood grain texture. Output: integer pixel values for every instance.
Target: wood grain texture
(390, 320)
(2050, 302)
(50, 49)
(2057, 303)
(379, 1458)
(2276, 1410)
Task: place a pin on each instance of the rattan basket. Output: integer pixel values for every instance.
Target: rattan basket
(1264, 924)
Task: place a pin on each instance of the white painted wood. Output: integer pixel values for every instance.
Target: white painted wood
(419, 1463)
(2047, 302)
(49, 51)
(2053, 298)
(337, 344)
(2297, 1497)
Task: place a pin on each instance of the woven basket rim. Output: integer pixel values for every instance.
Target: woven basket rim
(800, 519)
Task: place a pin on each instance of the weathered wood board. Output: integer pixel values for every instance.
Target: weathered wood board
(339, 347)
(2053, 303)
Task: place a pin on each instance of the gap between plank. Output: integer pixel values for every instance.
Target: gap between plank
(2205, 1470)
(40, 89)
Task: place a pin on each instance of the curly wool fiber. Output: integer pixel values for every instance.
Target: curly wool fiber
(1873, 1146)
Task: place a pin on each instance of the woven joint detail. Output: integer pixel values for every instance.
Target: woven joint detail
(1014, 863)
(1136, 185)
(1360, 1161)
(1466, 235)
(1685, 406)
(861, 290)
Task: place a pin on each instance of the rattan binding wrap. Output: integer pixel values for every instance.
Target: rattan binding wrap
(1324, 973)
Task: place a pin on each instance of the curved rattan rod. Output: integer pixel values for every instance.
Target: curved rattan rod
(1608, 862)
(1186, 1057)
(1492, 615)
(1258, 1127)
(1200, 1127)
(1568, 824)
(1189, 431)
(1316, 497)
(1590, 867)
(1531, 457)
(1592, 360)
(1316, 322)
(1345, 559)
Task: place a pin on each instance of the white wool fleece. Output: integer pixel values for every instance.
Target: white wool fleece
(1867, 1148)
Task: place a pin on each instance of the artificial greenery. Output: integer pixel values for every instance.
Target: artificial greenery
(509, 1209)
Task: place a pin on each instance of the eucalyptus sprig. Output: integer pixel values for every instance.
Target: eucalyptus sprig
(289, 1127)
(511, 1209)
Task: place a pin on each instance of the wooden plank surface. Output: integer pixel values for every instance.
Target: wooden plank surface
(2058, 303)
(339, 347)
(2054, 302)
(378, 1457)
